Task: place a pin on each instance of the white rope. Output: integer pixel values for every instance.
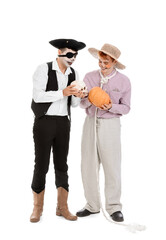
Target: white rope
(105, 79)
(133, 227)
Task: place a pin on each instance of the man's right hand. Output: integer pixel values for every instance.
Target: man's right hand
(70, 90)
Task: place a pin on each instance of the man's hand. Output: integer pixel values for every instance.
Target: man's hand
(70, 90)
(106, 106)
(81, 94)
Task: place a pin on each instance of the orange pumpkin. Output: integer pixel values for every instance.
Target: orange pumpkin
(98, 97)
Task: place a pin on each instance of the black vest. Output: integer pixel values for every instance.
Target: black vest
(40, 109)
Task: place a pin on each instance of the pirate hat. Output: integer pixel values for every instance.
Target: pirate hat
(67, 43)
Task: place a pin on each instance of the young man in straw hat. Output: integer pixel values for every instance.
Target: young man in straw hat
(52, 98)
(101, 133)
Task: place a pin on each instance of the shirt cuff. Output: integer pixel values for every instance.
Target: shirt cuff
(75, 101)
(113, 109)
(60, 92)
(85, 103)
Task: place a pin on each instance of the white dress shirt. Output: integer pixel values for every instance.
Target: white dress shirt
(59, 102)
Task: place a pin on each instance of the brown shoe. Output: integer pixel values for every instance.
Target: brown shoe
(62, 207)
(38, 206)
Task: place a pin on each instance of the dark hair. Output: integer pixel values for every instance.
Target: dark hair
(62, 49)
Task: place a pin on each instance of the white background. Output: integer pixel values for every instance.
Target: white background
(137, 29)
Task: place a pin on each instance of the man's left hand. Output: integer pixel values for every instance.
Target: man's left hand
(106, 106)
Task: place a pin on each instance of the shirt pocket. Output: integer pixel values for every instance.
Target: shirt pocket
(115, 96)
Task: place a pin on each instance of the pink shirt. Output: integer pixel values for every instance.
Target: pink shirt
(119, 90)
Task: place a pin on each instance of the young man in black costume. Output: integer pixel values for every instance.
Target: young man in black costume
(52, 97)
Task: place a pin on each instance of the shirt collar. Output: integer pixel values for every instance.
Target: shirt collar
(108, 76)
(56, 67)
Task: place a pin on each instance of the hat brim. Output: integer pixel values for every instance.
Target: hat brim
(94, 53)
(67, 43)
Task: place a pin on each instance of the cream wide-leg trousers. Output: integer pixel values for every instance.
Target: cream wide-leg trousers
(101, 144)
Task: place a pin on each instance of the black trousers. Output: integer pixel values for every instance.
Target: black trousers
(51, 132)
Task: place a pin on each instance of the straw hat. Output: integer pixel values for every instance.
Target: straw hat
(111, 51)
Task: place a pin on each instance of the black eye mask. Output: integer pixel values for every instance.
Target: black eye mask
(69, 55)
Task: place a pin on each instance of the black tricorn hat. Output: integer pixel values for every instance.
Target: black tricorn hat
(67, 43)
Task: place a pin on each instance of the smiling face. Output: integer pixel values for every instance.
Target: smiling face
(106, 63)
(67, 62)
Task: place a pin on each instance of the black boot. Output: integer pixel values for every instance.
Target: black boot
(84, 213)
(117, 216)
